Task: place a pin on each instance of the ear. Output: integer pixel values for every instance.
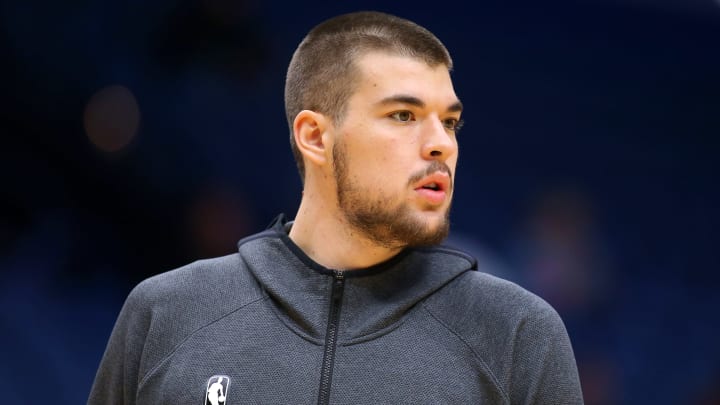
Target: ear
(309, 130)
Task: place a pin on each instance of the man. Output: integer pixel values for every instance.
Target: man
(353, 301)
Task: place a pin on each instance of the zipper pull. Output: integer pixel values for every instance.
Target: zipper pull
(338, 286)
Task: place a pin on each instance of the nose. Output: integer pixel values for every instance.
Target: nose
(439, 143)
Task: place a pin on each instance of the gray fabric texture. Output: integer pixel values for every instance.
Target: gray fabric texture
(423, 328)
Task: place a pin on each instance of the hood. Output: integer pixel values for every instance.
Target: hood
(375, 299)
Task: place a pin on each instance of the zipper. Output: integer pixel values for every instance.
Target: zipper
(336, 296)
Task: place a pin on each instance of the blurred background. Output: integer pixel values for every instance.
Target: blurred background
(140, 136)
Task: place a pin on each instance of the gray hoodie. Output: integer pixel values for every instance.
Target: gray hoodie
(267, 325)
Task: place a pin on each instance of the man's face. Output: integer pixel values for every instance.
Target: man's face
(395, 151)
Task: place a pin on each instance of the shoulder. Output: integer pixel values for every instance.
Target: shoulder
(162, 312)
(172, 306)
(444, 256)
(488, 298)
(201, 290)
(216, 275)
(207, 287)
(485, 298)
(494, 315)
(515, 333)
(475, 301)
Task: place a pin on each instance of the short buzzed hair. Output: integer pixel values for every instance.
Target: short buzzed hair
(323, 75)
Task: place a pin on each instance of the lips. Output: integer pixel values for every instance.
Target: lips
(433, 188)
(437, 181)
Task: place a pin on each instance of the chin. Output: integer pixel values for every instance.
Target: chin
(433, 230)
(435, 217)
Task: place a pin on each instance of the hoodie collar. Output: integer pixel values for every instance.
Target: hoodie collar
(375, 298)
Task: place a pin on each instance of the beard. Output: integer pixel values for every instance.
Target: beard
(390, 226)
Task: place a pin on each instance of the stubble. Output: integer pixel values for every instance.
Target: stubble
(391, 226)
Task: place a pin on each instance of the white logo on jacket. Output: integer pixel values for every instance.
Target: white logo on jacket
(217, 390)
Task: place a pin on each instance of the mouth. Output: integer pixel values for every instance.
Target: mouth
(431, 186)
(434, 188)
(435, 182)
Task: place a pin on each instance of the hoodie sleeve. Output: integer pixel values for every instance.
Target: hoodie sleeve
(543, 363)
(117, 377)
(517, 335)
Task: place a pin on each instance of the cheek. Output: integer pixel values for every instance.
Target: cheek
(393, 159)
(381, 171)
(377, 153)
(452, 162)
(380, 156)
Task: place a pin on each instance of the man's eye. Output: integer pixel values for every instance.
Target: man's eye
(402, 116)
(453, 124)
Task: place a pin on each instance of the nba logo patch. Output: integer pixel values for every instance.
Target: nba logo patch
(217, 390)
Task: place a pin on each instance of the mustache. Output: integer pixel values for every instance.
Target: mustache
(435, 167)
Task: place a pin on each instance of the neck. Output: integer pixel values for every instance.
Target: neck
(322, 232)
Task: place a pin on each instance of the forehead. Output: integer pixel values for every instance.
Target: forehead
(382, 74)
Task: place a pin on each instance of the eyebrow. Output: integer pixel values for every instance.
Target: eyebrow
(412, 100)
